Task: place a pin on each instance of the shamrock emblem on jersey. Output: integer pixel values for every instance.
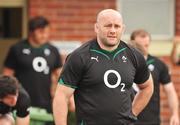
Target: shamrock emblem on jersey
(47, 52)
(151, 67)
(124, 59)
(26, 51)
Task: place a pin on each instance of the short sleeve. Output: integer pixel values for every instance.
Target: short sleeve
(58, 60)
(11, 59)
(164, 74)
(23, 104)
(142, 72)
(72, 71)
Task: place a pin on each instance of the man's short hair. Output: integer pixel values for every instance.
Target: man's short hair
(37, 22)
(139, 32)
(8, 86)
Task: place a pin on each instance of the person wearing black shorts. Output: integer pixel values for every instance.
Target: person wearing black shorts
(35, 63)
(100, 74)
(160, 74)
(14, 97)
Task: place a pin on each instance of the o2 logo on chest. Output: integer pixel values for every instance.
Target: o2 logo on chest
(118, 82)
(40, 65)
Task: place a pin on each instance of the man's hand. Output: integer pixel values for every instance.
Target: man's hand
(176, 40)
(174, 52)
(174, 120)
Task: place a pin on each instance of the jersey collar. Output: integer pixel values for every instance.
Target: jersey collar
(150, 60)
(40, 47)
(109, 54)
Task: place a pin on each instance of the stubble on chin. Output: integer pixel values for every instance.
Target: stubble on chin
(108, 43)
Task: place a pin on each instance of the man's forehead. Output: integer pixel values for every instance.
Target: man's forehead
(110, 20)
(109, 13)
(142, 35)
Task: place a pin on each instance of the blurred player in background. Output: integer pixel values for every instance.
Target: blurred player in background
(36, 64)
(13, 97)
(140, 39)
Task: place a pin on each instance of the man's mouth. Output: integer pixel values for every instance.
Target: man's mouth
(111, 36)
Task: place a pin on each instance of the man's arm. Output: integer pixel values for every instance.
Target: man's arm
(143, 96)
(60, 104)
(173, 103)
(174, 53)
(72, 104)
(54, 79)
(23, 121)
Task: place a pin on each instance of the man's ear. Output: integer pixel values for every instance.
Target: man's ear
(96, 27)
(124, 27)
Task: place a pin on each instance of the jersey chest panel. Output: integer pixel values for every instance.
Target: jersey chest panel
(111, 73)
(38, 61)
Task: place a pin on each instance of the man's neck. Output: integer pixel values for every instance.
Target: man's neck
(107, 48)
(33, 43)
(146, 57)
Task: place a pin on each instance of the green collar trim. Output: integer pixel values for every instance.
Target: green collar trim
(109, 52)
(61, 81)
(118, 52)
(104, 54)
(150, 61)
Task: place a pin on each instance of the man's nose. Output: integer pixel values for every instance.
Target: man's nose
(112, 30)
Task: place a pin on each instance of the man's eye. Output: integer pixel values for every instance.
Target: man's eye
(117, 26)
(108, 25)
